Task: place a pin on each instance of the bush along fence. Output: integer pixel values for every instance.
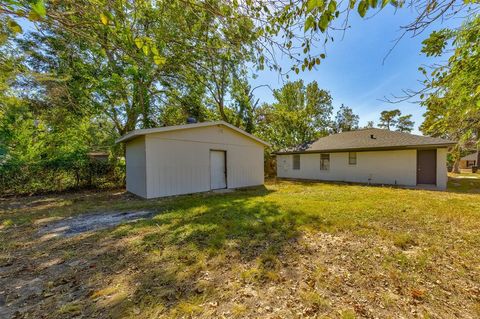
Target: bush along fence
(28, 177)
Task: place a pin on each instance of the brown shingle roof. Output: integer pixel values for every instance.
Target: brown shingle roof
(470, 157)
(368, 139)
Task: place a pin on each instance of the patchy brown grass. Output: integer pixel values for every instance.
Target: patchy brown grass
(287, 250)
(465, 182)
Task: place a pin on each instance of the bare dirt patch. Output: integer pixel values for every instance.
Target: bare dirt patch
(73, 226)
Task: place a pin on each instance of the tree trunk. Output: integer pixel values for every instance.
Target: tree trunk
(456, 166)
(477, 163)
(221, 109)
(456, 156)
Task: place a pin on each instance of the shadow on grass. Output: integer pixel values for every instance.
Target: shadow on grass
(198, 249)
(159, 264)
(461, 184)
(195, 233)
(468, 184)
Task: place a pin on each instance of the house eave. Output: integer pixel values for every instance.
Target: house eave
(141, 132)
(367, 149)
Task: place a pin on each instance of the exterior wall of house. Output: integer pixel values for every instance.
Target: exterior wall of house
(135, 165)
(442, 172)
(178, 162)
(467, 164)
(379, 167)
(397, 167)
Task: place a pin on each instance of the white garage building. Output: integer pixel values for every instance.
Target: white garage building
(373, 156)
(192, 158)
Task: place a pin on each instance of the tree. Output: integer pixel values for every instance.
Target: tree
(345, 120)
(245, 105)
(405, 123)
(388, 119)
(133, 59)
(370, 124)
(451, 94)
(395, 120)
(278, 27)
(300, 114)
(138, 64)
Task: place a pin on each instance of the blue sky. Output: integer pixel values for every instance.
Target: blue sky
(353, 70)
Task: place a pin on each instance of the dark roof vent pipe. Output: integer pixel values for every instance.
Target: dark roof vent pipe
(372, 137)
(191, 120)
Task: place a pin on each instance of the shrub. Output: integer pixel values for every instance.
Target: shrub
(72, 171)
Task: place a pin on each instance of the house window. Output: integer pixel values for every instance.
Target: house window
(296, 161)
(324, 162)
(352, 158)
(470, 164)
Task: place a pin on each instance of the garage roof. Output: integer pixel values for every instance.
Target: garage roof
(368, 139)
(133, 134)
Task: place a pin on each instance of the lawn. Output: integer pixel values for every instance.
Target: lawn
(288, 249)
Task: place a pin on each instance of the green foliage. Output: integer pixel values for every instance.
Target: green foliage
(388, 119)
(110, 67)
(44, 141)
(345, 120)
(394, 119)
(44, 153)
(101, 68)
(274, 27)
(300, 114)
(452, 91)
(435, 44)
(39, 8)
(14, 26)
(405, 123)
(139, 59)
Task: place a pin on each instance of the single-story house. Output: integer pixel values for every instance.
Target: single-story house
(192, 158)
(469, 161)
(373, 156)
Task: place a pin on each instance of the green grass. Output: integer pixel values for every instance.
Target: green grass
(465, 182)
(316, 249)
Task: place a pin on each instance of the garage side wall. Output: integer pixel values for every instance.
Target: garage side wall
(135, 162)
(178, 162)
(379, 167)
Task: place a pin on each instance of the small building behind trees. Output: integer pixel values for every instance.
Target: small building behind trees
(469, 161)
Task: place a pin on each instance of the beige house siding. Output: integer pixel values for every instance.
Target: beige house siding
(442, 172)
(136, 173)
(396, 167)
(178, 162)
(467, 162)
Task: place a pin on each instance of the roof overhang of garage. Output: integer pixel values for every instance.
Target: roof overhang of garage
(136, 133)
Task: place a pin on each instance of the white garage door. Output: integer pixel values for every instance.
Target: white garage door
(217, 170)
